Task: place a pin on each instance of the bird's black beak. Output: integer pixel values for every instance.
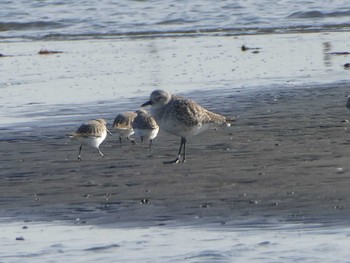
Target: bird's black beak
(146, 103)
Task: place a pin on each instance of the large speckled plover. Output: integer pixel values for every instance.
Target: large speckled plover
(92, 134)
(181, 117)
(145, 126)
(123, 125)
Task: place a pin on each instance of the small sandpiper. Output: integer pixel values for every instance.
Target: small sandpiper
(123, 125)
(92, 134)
(145, 126)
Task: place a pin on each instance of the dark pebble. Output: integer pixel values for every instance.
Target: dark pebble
(144, 201)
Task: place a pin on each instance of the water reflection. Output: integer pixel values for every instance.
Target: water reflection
(327, 47)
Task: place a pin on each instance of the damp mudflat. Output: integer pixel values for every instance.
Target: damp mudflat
(260, 190)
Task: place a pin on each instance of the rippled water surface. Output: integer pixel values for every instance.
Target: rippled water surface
(65, 18)
(284, 243)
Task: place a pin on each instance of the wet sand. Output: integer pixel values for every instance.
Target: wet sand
(285, 159)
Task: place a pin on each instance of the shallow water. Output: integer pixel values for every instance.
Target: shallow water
(117, 75)
(54, 242)
(77, 19)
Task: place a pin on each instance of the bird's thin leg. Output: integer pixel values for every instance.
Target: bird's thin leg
(179, 153)
(150, 144)
(183, 141)
(120, 141)
(142, 141)
(80, 148)
(100, 152)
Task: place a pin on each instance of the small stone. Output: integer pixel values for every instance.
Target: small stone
(144, 201)
(47, 52)
(347, 66)
(20, 238)
(339, 170)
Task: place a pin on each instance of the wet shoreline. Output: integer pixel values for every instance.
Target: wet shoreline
(100, 71)
(283, 160)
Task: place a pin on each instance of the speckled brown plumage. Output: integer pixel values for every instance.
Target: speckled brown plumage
(180, 116)
(144, 120)
(93, 128)
(123, 125)
(145, 126)
(124, 120)
(92, 134)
